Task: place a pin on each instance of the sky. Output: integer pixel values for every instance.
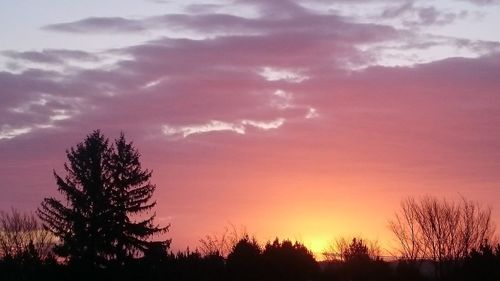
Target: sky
(305, 120)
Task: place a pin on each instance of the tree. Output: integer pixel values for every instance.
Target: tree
(21, 234)
(245, 261)
(131, 194)
(288, 261)
(443, 231)
(345, 249)
(222, 244)
(356, 259)
(105, 188)
(481, 264)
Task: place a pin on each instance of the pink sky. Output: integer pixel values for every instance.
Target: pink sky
(303, 120)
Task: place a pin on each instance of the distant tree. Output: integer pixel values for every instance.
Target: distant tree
(288, 261)
(440, 230)
(482, 264)
(222, 244)
(25, 247)
(345, 249)
(245, 261)
(187, 266)
(21, 235)
(106, 191)
(357, 260)
(357, 250)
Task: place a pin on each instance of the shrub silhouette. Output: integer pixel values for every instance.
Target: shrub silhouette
(357, 263)
(481, 264)
(245, 261)
(21, 235)
(288, 261)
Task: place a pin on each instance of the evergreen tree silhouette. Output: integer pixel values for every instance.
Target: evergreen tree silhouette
(288, 261)
(131, 194)
(104, 185)
(245, 261)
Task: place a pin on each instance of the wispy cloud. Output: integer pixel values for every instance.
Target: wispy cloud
(98, 25)
(217, 126)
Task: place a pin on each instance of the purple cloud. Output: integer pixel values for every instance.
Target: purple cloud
(50, 56)
(98, 25)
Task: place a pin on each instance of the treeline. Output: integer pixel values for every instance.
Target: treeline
(102, 229)
(248, 261)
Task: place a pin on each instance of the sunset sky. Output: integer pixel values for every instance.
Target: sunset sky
(300, 119)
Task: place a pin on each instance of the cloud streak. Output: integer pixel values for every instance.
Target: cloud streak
(217, 126)
(98, 25)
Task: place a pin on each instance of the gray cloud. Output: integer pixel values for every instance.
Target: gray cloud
(51, 56)
(484, 2)
(98, 25)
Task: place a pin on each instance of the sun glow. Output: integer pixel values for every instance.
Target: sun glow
(317, 245)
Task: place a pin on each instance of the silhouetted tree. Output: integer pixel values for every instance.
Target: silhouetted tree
(356, 251)
(245, 261)
(482, 264)
(103, 188)
(345, 249)
(407, 270)
(131, 194)
(442, 231)
(288, 261)
(24, 248)
(222, 244)
(187, 266)
(360, 261)
(21, 234)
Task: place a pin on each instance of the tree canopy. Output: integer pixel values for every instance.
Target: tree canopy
(107, 195)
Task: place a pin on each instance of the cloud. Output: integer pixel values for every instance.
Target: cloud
(6, 132)
(413, 14)
(272, 74)
(255, 68)
(50, 56)
(227, 24)
(98, 25)
(217, 126)
(212, 126)
(484, 2)
(264, 125)
(312, 113)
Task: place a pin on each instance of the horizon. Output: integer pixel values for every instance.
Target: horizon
(302, 120)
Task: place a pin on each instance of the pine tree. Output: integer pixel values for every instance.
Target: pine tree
(104, 185)
(131, 195)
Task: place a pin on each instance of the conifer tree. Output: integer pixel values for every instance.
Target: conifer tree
(131, 195)
(104, 185)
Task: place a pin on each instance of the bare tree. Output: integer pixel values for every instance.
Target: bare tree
(441, 230)
(223, 243)
(405, 227)
(21, 233)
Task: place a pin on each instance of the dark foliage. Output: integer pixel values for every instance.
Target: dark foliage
(358, 265)
(104, 187)
(245, 261)
(408, 271)
(288, 261)
(481, 264)
(277, 261)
